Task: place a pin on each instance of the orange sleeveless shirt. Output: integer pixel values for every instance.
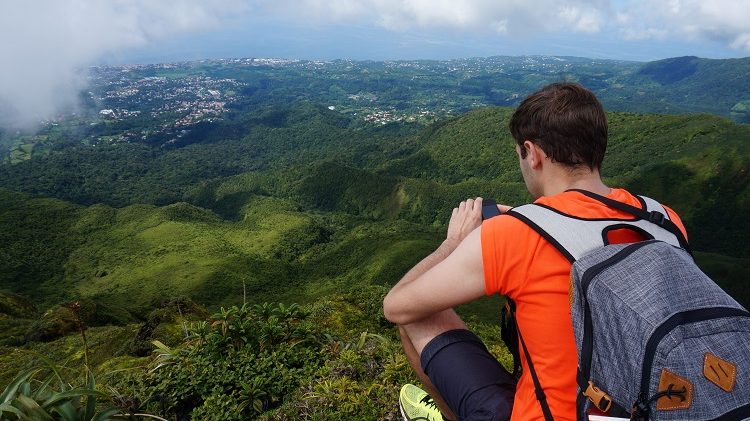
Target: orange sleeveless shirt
(519, 263)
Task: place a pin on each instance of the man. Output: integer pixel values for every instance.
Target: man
(561, 137)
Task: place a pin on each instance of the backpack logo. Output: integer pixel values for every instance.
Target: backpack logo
(675, 392)
(720, 372)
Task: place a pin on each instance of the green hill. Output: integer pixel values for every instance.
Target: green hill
(134, 256)
(684, 84)
(123, 174)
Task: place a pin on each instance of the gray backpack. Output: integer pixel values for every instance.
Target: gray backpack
(656, 338)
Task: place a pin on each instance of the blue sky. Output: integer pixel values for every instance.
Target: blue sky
(278, 37)
(49, 44)
(342, 41)
(639, 30)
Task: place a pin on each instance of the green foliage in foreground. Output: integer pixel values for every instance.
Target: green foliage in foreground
(52, 398)
(251, 355)
(336, 359)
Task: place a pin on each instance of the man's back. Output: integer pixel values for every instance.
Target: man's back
(519, 263)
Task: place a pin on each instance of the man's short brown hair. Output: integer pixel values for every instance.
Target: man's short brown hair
(566, 121)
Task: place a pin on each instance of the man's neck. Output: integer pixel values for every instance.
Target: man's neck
(563, 180)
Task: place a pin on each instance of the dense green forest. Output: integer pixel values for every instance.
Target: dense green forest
(238, 272)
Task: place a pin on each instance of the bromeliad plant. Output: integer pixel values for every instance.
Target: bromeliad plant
(27, 398)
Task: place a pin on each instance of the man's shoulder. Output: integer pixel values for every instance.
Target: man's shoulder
(506, 229)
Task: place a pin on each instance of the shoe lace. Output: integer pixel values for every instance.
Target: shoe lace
(427, 400)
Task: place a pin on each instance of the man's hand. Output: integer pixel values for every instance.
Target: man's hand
(465, 219)
(451, 275)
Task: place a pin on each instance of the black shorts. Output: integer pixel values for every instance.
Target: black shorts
(468, 377)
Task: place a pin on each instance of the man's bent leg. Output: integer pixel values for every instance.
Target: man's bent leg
(415, 336)
(423, 331)
(457, 369)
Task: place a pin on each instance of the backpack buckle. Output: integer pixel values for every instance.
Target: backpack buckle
(657, 218)
(601, 400)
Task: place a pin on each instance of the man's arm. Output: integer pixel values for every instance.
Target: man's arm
(451, 275)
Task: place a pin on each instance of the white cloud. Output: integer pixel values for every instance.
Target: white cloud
(583, 19)
(490, 16)
(723, 21)
(639, 34)
(741, 42)
(47, 42)
(500, 26)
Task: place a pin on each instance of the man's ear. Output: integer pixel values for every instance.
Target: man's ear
(534, 154)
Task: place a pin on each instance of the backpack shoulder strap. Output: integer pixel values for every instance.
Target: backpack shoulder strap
(652, 211)
(574, 236)
(510, 309)
(651, 205)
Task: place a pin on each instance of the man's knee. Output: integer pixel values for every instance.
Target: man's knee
(420, 333)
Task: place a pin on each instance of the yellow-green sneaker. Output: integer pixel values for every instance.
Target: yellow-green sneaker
(417, 405)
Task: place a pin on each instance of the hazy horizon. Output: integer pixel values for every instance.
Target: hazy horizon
(54, 40)
(155, 61)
